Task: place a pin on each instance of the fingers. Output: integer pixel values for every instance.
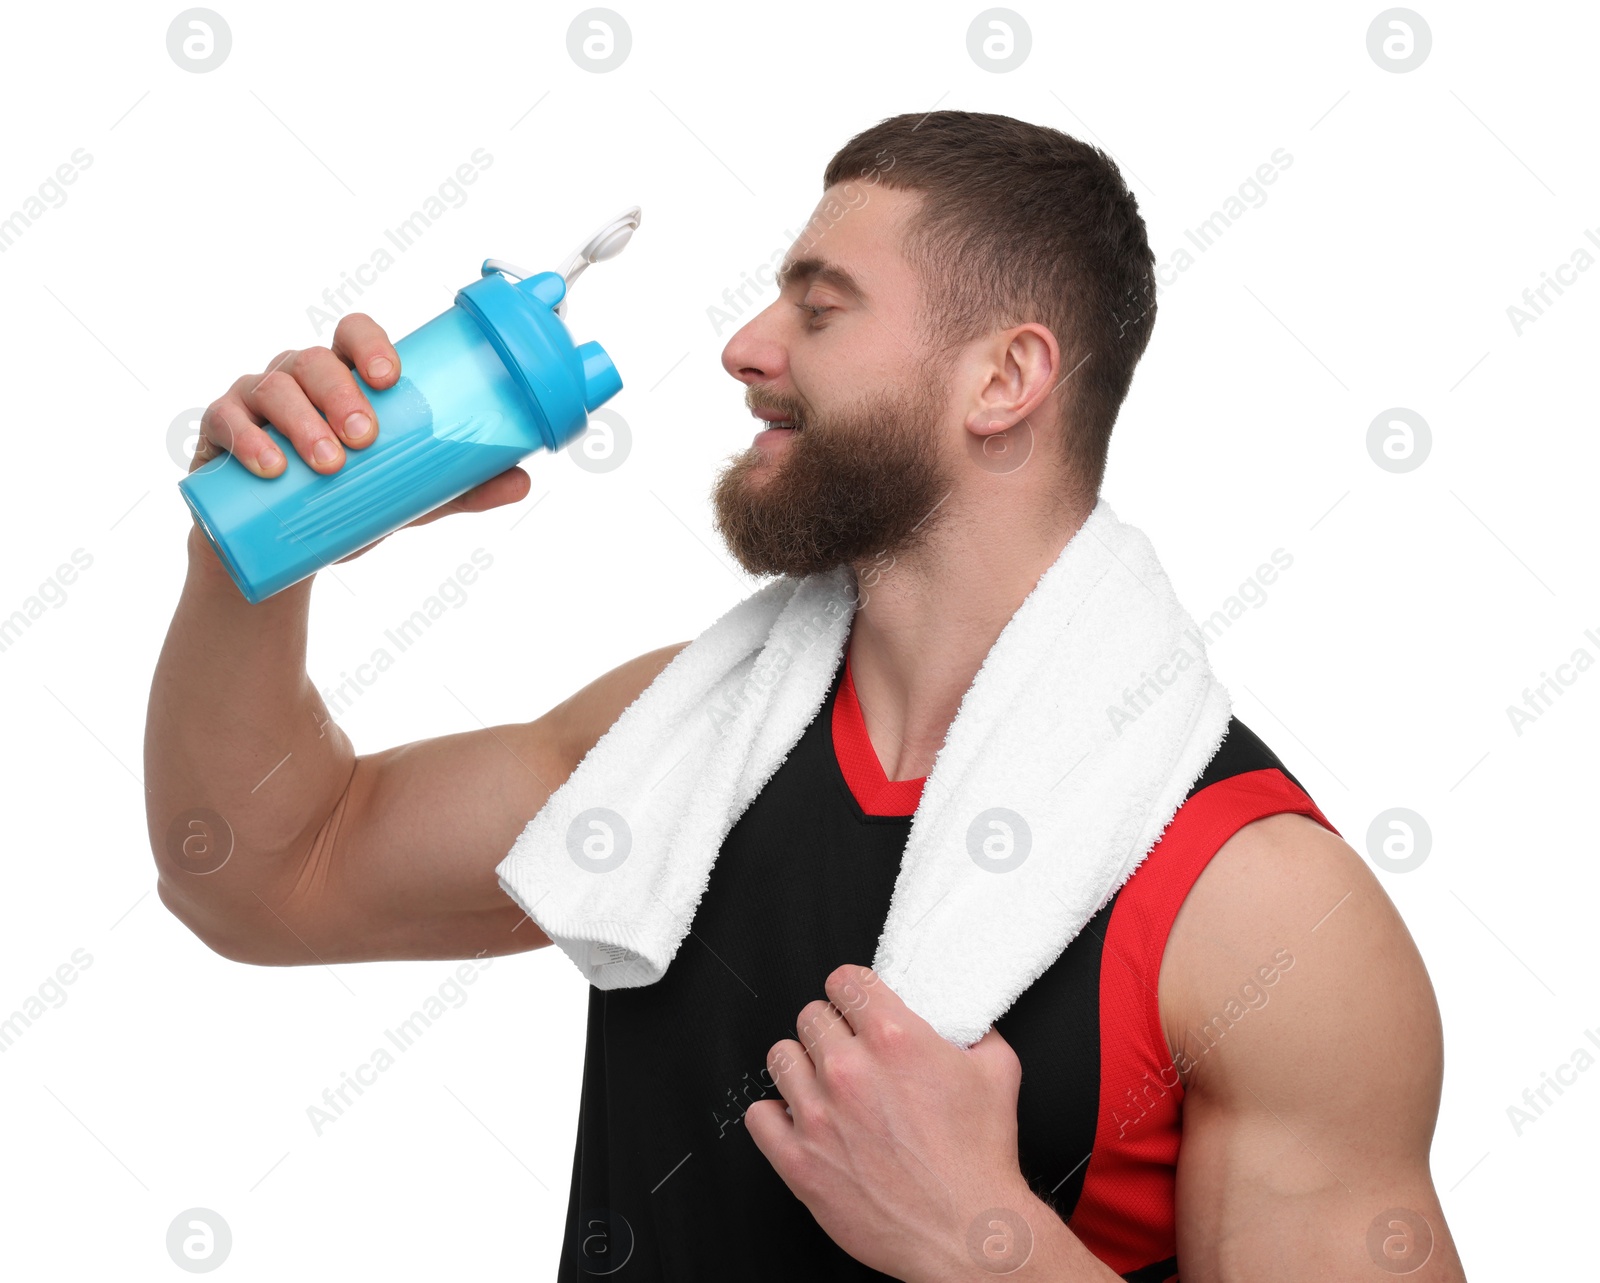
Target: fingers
(869, 1004)
(329, 385)
(310, 396)
(505, 487)
(771, 1125)
(819, 1027)
(229, 425)
(295, 388)
(360, 342)
(793, 1073)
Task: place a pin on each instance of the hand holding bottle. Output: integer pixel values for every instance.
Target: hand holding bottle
(313, 398)
(326, 453)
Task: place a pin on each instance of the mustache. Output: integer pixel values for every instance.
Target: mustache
(788, 410)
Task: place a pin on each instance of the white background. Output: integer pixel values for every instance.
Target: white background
(219, 206)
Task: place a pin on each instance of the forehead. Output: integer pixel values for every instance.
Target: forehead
(853, 241)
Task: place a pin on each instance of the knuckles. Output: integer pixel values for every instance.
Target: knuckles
(809, 1115)
(275, 380)
(308, 360)
(891, 1037)
(213, 424)
(349, 324)
(363, 338)
(845, 1072)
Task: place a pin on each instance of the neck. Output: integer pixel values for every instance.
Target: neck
(928, 619)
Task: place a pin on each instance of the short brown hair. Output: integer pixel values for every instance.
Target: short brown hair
(1020, 222)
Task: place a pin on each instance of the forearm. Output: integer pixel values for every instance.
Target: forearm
(1058, 1254)
(1023, 1227)
(235, 727)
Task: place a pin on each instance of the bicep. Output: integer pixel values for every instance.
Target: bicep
(404, 867)
(1307, 1124)
(1272, 1192)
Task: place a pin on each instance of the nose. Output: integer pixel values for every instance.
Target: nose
(754, 354)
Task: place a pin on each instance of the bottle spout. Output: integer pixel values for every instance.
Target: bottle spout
(601, 381)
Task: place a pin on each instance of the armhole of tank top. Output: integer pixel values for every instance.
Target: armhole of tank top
(1199, 829)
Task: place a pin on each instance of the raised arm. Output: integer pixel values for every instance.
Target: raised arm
(274, 842)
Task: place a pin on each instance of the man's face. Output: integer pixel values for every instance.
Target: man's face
(867, 465)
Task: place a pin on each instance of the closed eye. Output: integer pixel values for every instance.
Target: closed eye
(816, 310)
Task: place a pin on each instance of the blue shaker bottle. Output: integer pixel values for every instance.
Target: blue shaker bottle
(482, 386)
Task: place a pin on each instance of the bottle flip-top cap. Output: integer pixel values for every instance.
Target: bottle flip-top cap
(562, 382)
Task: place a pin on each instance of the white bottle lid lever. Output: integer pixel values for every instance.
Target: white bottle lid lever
(608, 242)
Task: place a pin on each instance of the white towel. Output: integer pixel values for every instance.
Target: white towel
(1089, 720)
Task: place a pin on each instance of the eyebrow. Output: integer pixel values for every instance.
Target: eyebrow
(820, 270)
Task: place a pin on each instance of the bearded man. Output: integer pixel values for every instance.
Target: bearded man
(1223, 1060)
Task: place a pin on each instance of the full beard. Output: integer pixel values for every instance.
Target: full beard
(848, 487)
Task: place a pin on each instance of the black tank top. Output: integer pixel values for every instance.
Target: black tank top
(667, 1184)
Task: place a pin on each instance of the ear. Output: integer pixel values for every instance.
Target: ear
(1022, 372)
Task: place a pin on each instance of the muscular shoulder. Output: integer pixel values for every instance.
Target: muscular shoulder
(1286, 945)
(1302, 1018)
(578, 722)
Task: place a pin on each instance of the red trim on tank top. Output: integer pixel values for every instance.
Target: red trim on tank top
(1125, 1214)
(874, 791)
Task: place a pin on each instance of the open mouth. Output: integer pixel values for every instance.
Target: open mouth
(773, 426)
(782, 425)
